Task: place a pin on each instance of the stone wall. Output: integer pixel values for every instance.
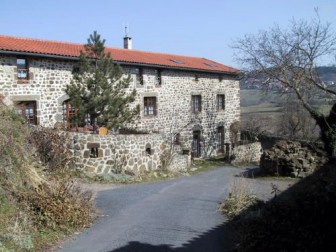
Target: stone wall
(247, 153)
(291, 158)
(101, 154)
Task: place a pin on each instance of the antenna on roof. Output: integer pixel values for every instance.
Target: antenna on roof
(126, 33)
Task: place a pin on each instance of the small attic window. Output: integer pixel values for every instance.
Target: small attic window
(210, 64)
(177, 61)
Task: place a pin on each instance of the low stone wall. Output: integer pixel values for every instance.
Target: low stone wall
(133, 154)
(179, 162)
(247, 153)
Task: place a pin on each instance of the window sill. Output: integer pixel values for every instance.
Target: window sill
(22, 81)
(149, 116)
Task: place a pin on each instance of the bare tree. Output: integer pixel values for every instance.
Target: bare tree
(296, 122)
(252, 128)
(289, 57)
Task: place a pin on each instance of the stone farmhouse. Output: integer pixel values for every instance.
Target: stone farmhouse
(192, 100)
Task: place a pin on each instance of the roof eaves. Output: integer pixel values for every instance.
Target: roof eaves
(46, 55)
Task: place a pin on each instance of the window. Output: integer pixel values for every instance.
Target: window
(149, 150)
(177, 61)
(220, 139)
(211, 64)
(220, 102)
(177, 139)
(139, 76)
(149, 106)
(22, 69)
(196, 103)
(69, 113)
(158, 80)
(94, 152)
(27, 109)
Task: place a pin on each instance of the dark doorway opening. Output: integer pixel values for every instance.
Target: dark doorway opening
(196, 144)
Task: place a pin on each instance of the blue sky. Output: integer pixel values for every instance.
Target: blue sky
(202, 28)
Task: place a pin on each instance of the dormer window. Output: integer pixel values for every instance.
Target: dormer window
(177, 61)
(210, 64)
(22, 69)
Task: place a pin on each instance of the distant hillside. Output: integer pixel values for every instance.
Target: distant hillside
(327, 75)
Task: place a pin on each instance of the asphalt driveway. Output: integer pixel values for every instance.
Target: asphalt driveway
(175, 215)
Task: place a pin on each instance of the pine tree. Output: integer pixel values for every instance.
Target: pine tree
(99, 88)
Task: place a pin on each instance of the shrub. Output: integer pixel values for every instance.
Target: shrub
(60, 204)
(51, 148)
(240, 199)
(30, 199)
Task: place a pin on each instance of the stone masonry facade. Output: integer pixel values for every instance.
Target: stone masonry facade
(173, 97)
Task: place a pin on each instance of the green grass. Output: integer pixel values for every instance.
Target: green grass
(262, 108)
(204, 165)
(250, 97)
(324, 109)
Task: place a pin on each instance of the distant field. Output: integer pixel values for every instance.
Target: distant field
(257, 101)
(251, 97)
(266, 109)
(262, 108)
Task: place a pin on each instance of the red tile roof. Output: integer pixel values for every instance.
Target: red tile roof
(63, 49)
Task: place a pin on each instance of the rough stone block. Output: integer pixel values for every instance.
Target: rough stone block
(100, 153)
(86, 154)
(89, 169)
(93, 145)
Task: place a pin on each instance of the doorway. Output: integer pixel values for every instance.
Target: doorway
(196, 144)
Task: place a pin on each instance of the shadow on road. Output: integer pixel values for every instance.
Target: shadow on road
(217, 239)
(301, 218)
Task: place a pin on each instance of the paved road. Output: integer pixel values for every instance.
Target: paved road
(175, 215)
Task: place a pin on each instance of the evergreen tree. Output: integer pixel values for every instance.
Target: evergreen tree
(99, 88)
